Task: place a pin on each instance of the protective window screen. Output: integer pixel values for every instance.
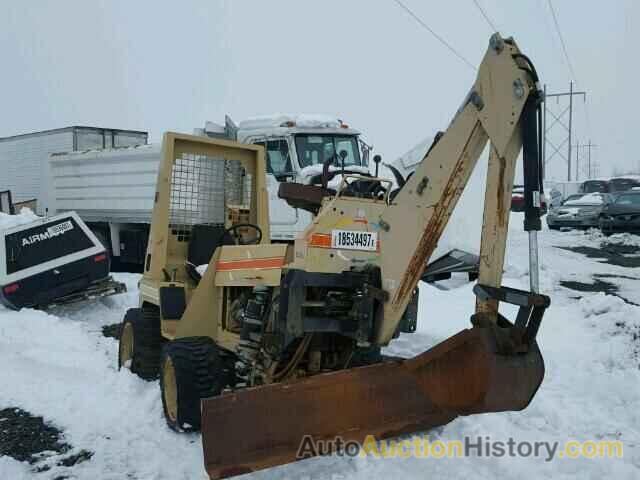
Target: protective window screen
(201, 188)
(238, 185)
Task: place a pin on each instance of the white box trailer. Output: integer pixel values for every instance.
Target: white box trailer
(113, 192)
(24, 159)
(117, 184)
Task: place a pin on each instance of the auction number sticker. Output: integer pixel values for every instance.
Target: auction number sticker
(354, 240)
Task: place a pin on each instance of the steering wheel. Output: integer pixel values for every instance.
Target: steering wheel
(233, 232)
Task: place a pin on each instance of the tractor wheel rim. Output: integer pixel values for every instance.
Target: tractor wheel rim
(170, 392)
(126, 345)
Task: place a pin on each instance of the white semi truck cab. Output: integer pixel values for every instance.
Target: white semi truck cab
(296, 145)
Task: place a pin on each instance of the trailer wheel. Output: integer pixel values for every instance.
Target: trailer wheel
(192, 368)
(140, 342)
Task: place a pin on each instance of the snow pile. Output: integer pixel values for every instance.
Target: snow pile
(588, 199)
(623, 239)
(111, 153)
(59, 366)
(9, 221)
(10, 469)
(300, 120)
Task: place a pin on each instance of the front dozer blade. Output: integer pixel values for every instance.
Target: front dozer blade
(265, 426)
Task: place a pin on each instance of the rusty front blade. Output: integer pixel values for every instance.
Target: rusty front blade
(264, 426)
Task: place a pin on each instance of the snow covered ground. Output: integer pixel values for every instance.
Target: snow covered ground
(59, 365)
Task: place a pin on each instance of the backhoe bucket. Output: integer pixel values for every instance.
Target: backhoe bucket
(265, 426)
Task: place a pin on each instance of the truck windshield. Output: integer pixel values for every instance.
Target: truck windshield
(316, 149)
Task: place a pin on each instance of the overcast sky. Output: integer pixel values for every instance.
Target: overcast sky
(157, 66)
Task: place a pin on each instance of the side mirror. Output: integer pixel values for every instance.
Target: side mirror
(377, 159)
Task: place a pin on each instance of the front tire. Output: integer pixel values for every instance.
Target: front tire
(140, 342)
(192, 368)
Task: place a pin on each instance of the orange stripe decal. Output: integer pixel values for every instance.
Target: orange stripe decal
(320, 240)
(225, 266)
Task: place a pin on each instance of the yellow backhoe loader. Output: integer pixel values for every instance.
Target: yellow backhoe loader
(262, 345)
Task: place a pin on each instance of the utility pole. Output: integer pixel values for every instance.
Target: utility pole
(559, 119)
(589, 147)
(569, 142)
(577, 158)
(581, 148)
(544, 135)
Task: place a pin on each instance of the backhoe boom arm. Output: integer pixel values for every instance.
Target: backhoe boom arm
(421, 210)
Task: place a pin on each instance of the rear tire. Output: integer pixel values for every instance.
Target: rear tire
(192, 368)
(140, 343)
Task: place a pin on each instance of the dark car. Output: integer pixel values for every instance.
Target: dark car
(622, 184)
(595, 186)
(622, 214)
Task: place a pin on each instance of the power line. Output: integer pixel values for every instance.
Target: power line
(564, 47)
(551, 36)
(486, 17)
(572, 72)
(438, 37)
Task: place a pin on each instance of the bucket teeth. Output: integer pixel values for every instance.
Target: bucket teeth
(265, 426)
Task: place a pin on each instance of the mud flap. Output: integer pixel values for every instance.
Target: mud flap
(265, 426)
